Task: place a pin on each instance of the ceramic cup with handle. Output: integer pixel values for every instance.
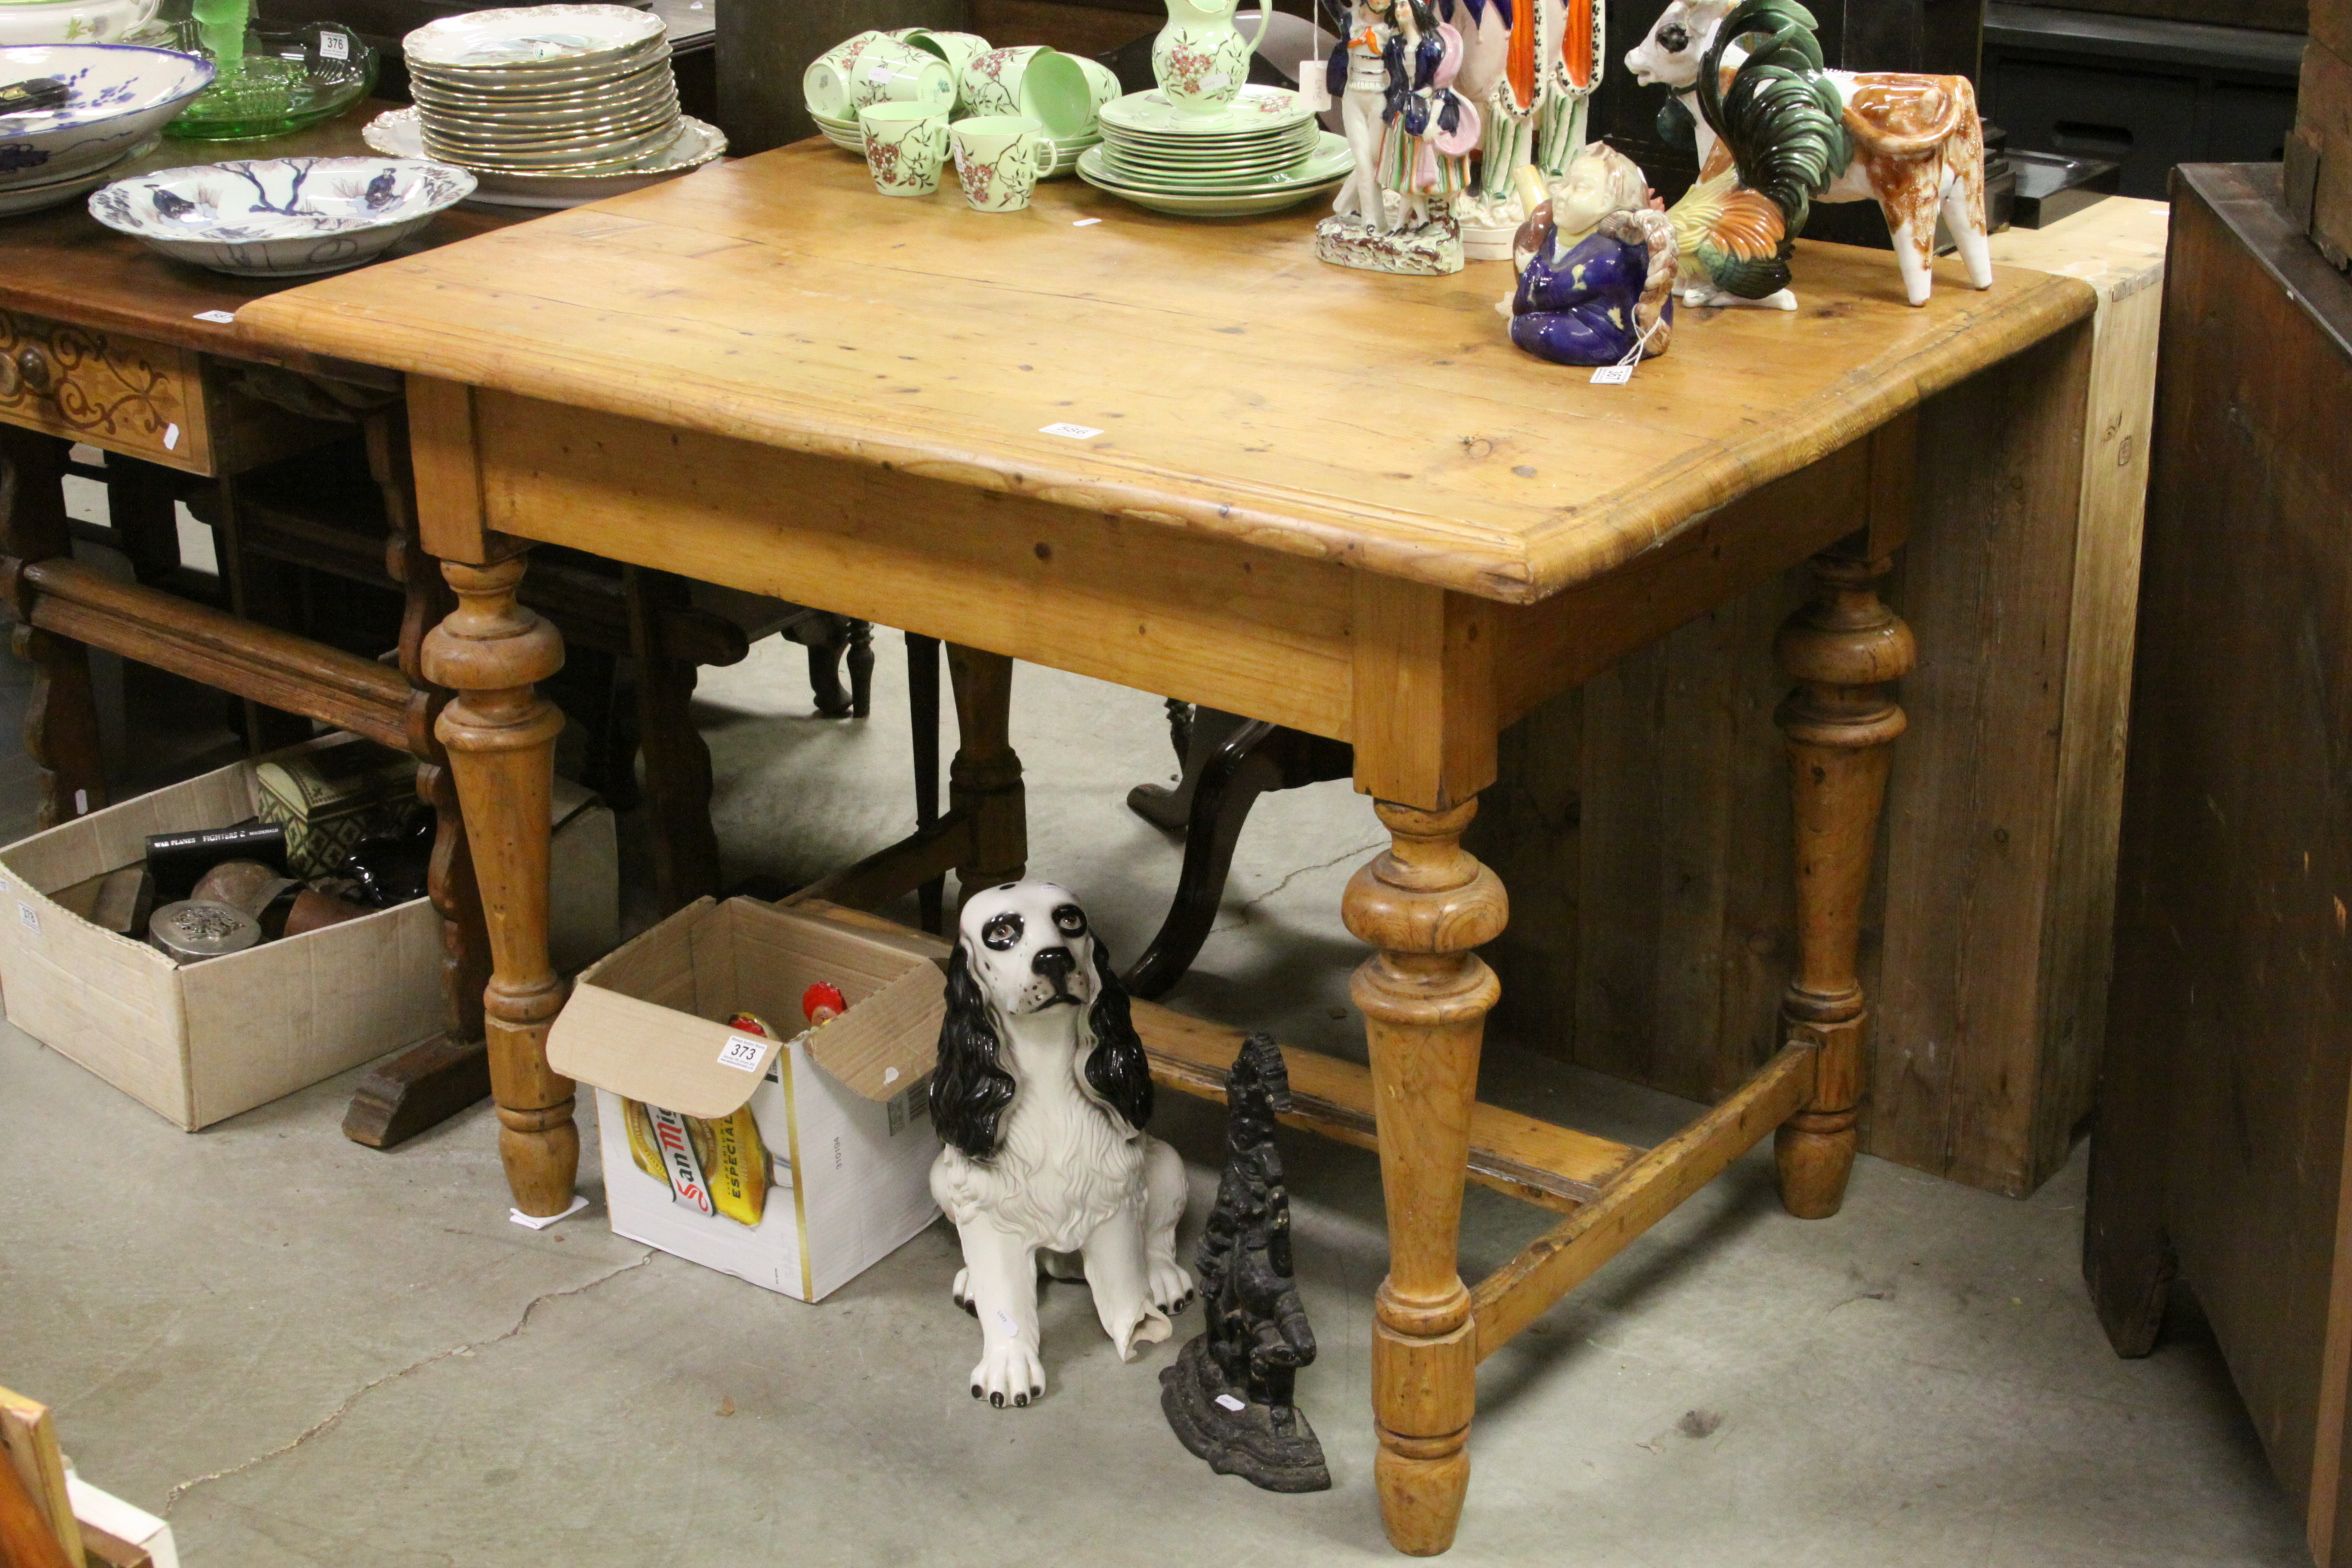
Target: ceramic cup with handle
(891, 72)
(906, 146)
(824, 86)
(957, 49)
(1046, 85)
(999, 158)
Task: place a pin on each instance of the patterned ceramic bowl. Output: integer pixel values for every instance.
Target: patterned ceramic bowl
(281, 217)
(119, 95)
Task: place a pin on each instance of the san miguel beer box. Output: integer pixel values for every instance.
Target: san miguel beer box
(731, 1133)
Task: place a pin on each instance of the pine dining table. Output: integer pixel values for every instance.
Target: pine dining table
(1188, 458)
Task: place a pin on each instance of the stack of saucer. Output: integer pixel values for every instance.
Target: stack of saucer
(547, 89)
(1261, 153)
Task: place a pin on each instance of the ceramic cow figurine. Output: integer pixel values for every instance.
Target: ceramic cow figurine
(1777, 131)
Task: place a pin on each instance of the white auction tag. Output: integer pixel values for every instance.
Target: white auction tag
(171, 438)
(1314, 91)
(217, 317)
(29, 917)
(334, 46)
(1215, 82)
(1004, 1320)
(1231, 1403)
(1085, 223)
(1073, 432)
(742, 1053)
(1612, 375)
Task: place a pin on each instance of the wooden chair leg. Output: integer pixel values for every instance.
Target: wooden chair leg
(142, 504)
(677, 762)
(1843, 649)
(984, 780)
(832, 699)
(923, 721)
(262, 591)
(1242, 768)
(861, 669)
(61, 717)
(1424, 905)
(1197, 734)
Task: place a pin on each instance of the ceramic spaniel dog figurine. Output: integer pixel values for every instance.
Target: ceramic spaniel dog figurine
(1040, 1097)
(1777, 131)
(1596, 264)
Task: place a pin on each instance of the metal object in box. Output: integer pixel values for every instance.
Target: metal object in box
(327, 801)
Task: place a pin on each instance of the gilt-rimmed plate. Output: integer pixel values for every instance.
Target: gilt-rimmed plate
(531, 35)
(696, 142)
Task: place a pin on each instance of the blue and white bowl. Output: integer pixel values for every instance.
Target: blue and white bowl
(119, 95)
(281, 217)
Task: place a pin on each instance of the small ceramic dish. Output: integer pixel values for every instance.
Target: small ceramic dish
(72, 21)
(118, 96)
(281, 217)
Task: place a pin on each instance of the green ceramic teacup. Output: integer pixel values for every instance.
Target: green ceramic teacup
(906, 145)
(1048, 86)
(999, 158)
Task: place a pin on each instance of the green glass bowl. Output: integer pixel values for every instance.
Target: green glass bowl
(289, 79)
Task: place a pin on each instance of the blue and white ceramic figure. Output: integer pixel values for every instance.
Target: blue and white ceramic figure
(118, 96)
(282, 217)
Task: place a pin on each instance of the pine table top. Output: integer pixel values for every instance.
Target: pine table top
(1234, 385)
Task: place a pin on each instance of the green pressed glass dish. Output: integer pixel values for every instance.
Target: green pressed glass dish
(287, 80)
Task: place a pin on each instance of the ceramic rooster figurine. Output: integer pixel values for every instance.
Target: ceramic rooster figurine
(1776, 131)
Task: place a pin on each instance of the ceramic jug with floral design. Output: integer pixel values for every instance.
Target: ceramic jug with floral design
(1201, 58)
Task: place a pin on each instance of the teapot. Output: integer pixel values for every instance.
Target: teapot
(1201, 58)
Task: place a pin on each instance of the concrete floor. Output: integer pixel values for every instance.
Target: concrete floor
(306, 1353)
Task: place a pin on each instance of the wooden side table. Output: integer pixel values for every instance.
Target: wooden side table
(1400, 533)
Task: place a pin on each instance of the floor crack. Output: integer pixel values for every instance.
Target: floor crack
(1243, 908)
(334, 1417)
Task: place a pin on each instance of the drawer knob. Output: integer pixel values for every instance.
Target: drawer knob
(33, 369)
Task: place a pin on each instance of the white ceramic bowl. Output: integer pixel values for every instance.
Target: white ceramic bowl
(72, 21)
(281, 217)
(120, 95)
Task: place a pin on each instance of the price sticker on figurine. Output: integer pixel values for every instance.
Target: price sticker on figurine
(742, 1053)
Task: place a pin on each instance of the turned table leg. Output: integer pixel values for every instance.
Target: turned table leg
(490, 652)
(1424, 904)
(1842, 649)
(984, 779)
(61, 717)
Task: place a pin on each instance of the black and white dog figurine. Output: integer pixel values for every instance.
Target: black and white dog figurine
(1040, 1096)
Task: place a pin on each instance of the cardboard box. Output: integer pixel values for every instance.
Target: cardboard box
(201, 1043)
(843, 1112)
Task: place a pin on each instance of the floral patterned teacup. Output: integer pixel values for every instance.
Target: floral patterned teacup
(957, 49)
(906, 144)
(891, 72)
(825, 84)
(998, 158)
(1048, 86)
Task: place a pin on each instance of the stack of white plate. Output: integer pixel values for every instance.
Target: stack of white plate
(845, 135)
(549, 105)
(544, 89)
(1261, 153)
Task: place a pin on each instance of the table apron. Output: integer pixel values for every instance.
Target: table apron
(1200, 619)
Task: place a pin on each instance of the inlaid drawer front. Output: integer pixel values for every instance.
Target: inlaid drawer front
(123, 394)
